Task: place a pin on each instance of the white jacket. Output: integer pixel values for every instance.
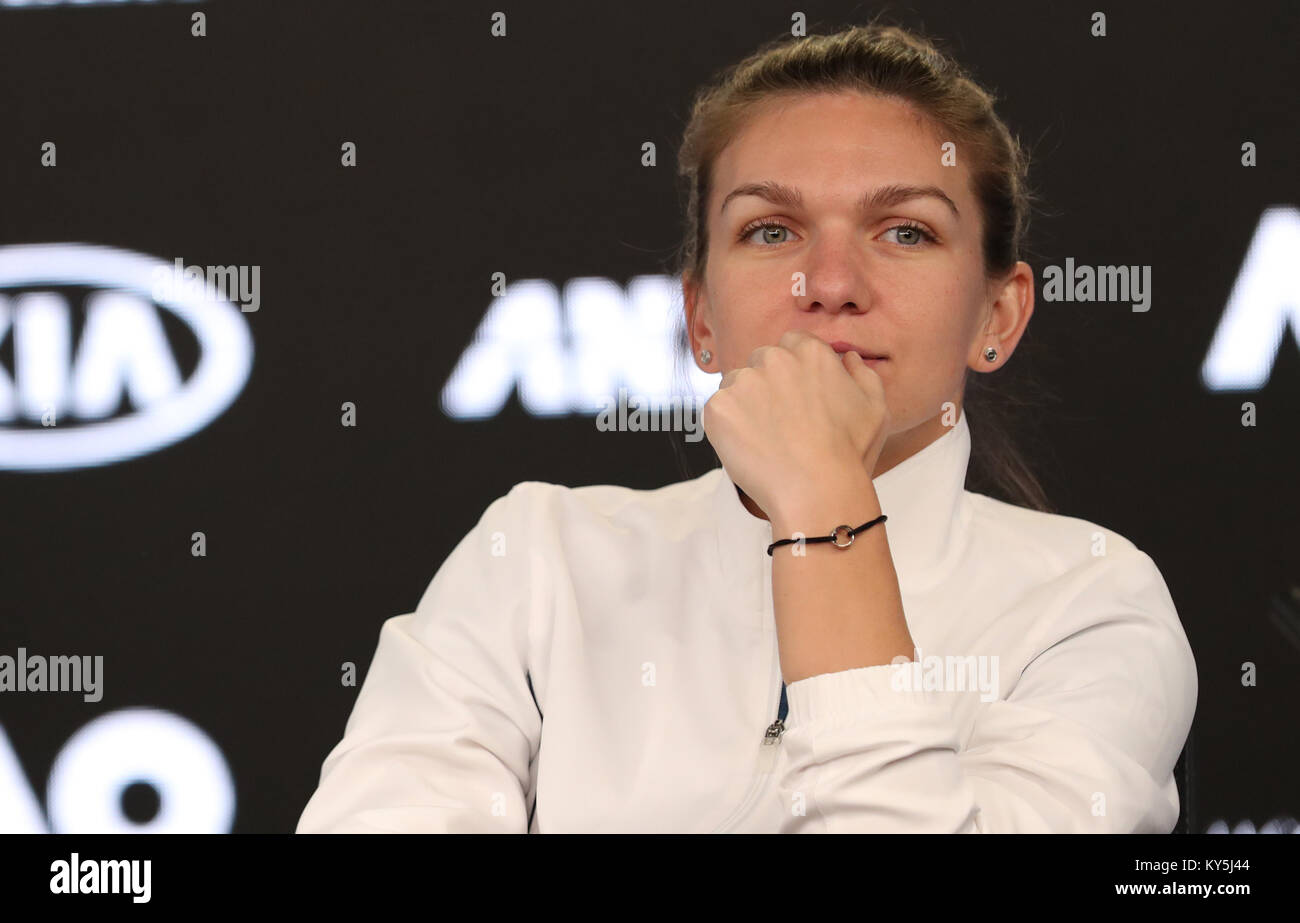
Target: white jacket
(636, 628)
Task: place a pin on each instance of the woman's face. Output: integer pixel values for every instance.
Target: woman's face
(902, 277)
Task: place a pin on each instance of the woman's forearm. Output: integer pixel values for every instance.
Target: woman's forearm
(836, 608)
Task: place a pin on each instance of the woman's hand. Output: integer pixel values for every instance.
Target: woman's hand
(796, 417)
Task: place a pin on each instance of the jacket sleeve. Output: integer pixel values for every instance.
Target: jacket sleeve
(1084, 742)
(444, 726)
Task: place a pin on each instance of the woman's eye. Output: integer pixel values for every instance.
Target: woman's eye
(770, 233)
(911, 235)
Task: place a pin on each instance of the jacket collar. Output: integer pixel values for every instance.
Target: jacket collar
(922, 496)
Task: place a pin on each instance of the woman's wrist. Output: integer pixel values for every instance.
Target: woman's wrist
(842, 498)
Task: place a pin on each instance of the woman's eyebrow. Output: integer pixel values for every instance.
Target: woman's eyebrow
(882, 197)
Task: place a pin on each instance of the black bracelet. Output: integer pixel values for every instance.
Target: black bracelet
(833, 538)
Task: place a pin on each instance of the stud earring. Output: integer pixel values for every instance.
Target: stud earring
(990, 354)
(705, 356)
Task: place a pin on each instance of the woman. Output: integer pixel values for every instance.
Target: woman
(908, 656)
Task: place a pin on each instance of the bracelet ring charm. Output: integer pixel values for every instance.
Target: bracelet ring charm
(841, 531)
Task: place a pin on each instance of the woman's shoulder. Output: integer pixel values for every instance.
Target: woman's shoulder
(1083, 576)
(1054, 532)
(1085, 573)
(1058, 546)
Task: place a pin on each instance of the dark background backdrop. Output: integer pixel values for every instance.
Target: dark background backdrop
(522, 155)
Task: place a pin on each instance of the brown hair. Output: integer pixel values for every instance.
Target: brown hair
(883, 61)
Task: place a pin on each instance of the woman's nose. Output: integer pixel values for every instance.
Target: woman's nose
(835, 279)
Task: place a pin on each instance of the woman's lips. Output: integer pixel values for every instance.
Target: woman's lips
(841, 347)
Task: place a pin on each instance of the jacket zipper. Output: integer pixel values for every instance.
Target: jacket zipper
(772, 738)
(766, 760)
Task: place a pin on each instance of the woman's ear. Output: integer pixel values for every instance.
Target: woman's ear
(695, 302)
(1007, 315)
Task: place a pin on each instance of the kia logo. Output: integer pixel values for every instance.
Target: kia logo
(66, 393)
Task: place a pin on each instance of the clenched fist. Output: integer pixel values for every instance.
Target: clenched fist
(798, 415)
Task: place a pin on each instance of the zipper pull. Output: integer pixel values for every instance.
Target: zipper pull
(768, 751)
(774, 732)
(777, 727)
(772, 738)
